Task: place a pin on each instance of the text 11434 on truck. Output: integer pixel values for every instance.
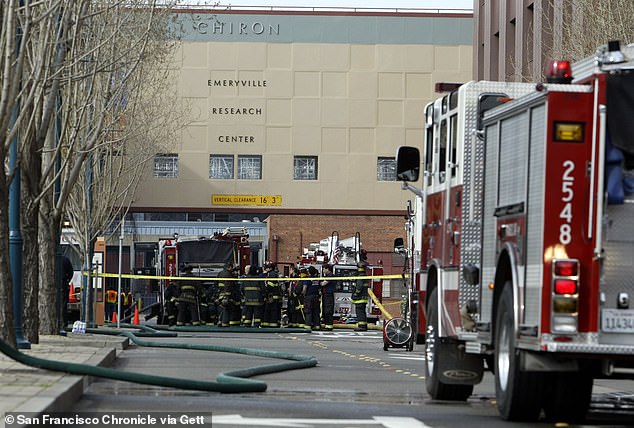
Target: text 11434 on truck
(522, 236)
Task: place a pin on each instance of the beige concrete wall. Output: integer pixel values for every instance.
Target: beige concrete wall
(346, 104)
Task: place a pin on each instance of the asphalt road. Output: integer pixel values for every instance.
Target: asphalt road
(355, 384)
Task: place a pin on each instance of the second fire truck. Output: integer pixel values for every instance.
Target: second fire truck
(522, 237)
(207, 255)
(344, 255)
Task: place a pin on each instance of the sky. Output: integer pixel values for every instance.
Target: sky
(390, 4)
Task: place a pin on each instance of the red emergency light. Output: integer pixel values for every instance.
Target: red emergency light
(566, 268)
(565, 286)
(559, 72)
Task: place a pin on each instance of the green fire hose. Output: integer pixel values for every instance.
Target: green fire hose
(235, 381)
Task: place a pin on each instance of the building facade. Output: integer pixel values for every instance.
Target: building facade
(295, 118)
(515, 39)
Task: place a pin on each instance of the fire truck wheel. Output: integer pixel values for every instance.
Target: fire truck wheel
(517, 393)
(435, 351)
(568, 396)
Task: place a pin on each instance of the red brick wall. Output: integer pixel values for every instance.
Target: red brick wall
(295, 232)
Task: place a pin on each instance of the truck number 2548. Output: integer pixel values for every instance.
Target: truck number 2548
(567, 195)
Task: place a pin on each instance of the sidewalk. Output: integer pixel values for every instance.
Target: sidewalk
(28, 389)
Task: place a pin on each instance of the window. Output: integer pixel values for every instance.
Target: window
(166, 165)
(429, 144)
(249, 167)
(442, 156)
(453, 141)
(386, 169)
(305, 168)
(221, 167)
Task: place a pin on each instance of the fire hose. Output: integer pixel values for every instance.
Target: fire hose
(234, 381)
(378, 304)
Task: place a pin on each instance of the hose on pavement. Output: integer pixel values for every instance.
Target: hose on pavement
(235, 381)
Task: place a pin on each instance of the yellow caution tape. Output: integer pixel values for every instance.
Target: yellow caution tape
(200, 278)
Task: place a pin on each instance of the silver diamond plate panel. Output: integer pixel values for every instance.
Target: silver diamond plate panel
(619, 252)
(473, 174)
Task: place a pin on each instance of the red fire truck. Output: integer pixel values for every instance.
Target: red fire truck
(522, 236)
(207, 256)
(344, 255)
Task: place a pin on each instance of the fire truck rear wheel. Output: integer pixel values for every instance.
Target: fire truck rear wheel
(433, 353)
(518, 393)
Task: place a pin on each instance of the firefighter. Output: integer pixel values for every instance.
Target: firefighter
(311, 299)
(253, 293)
(203, 304)
(291, 299)
(229, 297)
(130, 299)
(111, 303)
(360, 298)
(296, 299)
(273, 297)
(187, 298)
(327, 297)
(171, 300)
(212, 300)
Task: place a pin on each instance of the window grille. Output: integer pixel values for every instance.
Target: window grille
(386, 169)
(249, 167)
(305, 168)
(166, 165)
(221, 167)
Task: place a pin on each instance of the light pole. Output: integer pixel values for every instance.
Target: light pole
(15, 243)
(119, 282)
(15, 236)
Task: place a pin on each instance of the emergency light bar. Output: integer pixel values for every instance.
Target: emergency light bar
(559, 72)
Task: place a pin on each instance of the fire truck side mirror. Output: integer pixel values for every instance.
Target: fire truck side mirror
(407, 163)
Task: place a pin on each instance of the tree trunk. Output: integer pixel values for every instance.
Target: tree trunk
(30, 175)
(7, 329)
(30, 275)
(48, 244)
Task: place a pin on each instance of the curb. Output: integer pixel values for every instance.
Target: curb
(62, 395)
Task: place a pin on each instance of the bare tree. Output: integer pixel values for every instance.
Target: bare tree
(571, 30)
(73, 74)
(123, 111)
(19, 110)
(588, 24)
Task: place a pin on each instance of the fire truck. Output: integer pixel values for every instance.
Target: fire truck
(344, 255)
(207, 256)
(521, 236)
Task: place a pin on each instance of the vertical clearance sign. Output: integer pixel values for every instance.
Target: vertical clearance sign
(253, 200)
